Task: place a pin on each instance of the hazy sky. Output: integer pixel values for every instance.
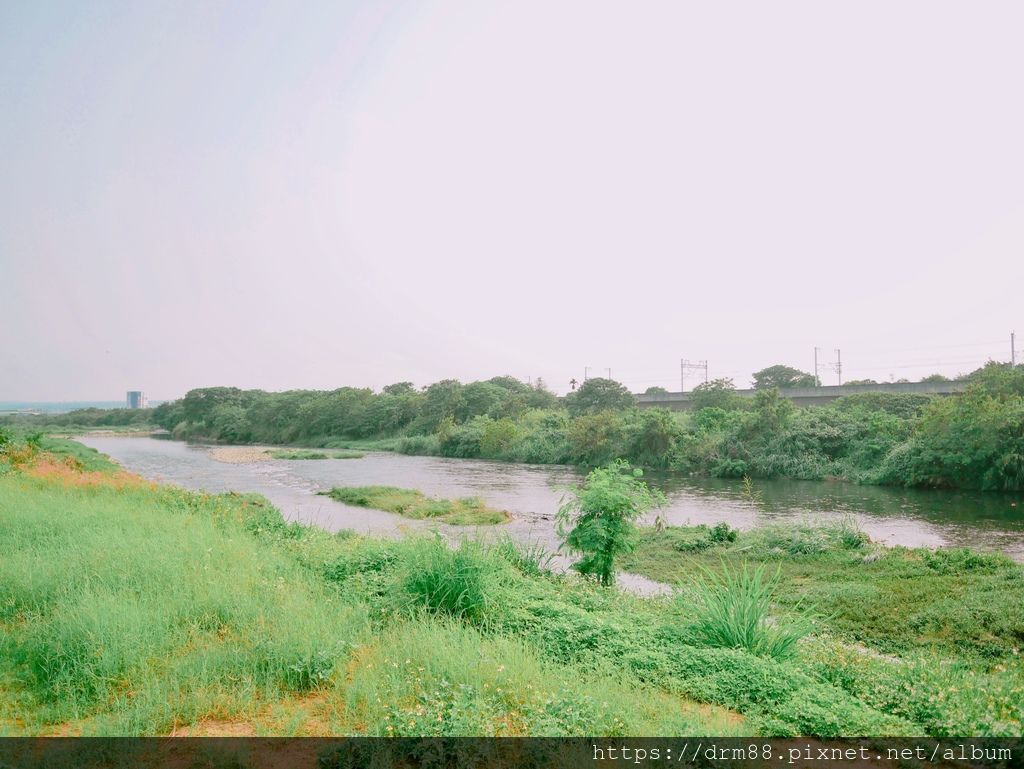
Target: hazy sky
(286, 195)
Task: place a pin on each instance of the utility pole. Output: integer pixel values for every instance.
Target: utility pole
(1013, 350)
(586, 369)
(684, 365)
(609, 373)
(817, 379)
(839, 367)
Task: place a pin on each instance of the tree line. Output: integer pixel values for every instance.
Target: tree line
(974, 440)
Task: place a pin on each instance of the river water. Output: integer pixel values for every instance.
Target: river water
(532, 493)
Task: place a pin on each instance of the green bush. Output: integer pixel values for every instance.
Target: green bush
(419, 445)
(598, 521)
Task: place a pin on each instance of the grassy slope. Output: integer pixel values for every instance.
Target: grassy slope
(87, 458)
(131, 608)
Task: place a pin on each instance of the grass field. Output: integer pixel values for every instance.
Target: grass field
(131, 608)
(468, 511)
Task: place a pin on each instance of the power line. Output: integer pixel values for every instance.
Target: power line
(685, 365)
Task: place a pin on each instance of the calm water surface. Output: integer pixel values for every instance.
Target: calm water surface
(532, 494)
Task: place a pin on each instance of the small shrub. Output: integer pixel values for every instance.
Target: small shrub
(721, 532)
(602, 515)
(531, 560)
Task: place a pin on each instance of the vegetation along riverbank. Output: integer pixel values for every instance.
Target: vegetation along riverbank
(969, 441)
(132, 608)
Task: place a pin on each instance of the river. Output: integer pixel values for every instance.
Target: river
(532, 493)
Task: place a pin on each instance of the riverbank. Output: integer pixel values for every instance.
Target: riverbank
(210, 613)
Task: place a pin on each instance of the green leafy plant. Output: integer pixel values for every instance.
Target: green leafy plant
(599, 521)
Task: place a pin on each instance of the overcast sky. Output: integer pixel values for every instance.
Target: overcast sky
(310, 195)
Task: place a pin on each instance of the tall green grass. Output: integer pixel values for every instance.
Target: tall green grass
(732, 609)
(116, 594)
(315, 454)
(460, 582)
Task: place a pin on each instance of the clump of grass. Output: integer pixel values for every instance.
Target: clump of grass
(529, 559)
(314, 454)
(419, 445)
(459, 582)
(732, 610)
(809, 538)
(702, 537)
(468, 511)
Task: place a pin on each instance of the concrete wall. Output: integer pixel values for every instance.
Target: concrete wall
(812, 396)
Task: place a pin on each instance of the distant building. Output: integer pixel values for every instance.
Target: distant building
(136, 399)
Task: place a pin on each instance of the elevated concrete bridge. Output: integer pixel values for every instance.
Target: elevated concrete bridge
(812, 396)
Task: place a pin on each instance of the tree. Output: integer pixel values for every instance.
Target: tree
(540, 397)
(782, 377)
(935, 378)
(168, 414)
(655, 390)
(599, 522)
(479, 398)
(597, 395)
(771, 411)
(656, 437)
(861, 382)
(510, 383)
(399, 388)
(595, 438)
(198, 405)
(997, 379)
(716, 394)
(443, 399)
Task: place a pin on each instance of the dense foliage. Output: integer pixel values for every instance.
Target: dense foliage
(90, 418)
(975, 440)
